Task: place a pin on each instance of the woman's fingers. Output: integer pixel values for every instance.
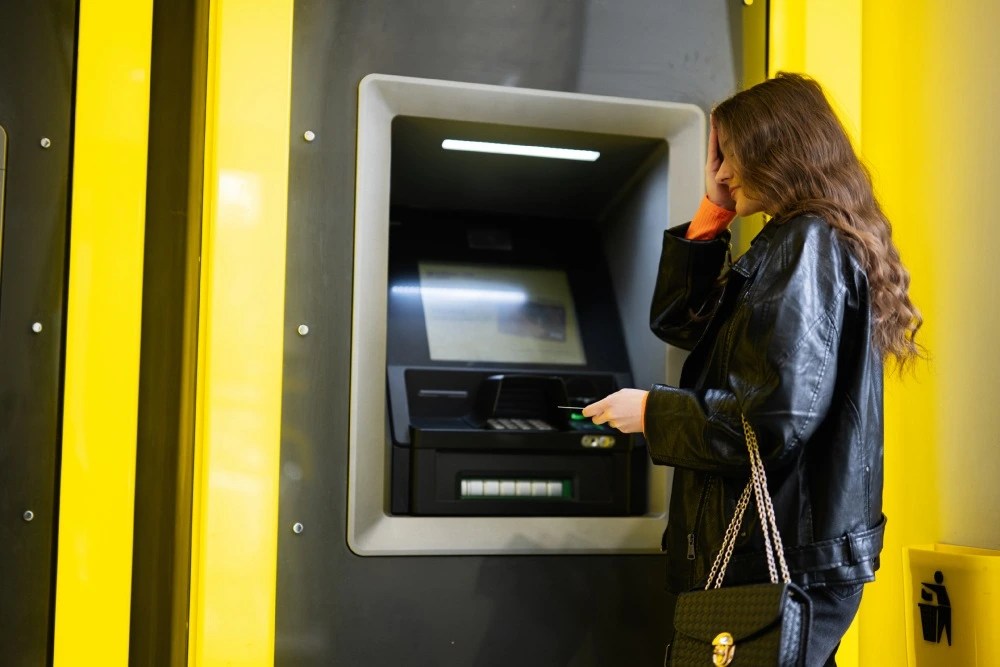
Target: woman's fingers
(621, 410)
(713, 150)
(718, 193)
(603, 410)
(596, 408)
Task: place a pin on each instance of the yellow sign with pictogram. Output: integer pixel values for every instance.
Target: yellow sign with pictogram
(952, 605)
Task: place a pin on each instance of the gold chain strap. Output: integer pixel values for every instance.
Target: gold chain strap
(765, 511)
(777, 547)
(728, 542)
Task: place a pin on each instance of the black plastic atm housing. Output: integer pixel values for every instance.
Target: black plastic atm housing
(448, 416)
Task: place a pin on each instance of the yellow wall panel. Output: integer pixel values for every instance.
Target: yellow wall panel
(922, 86)
(821, 38)
(927, 87)
(912, 484)
(97, 478)
(234, 546)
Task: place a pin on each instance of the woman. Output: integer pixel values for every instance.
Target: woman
(794, 336)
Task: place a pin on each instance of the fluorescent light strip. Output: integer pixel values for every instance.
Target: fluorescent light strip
(516, 149)
(461, 294)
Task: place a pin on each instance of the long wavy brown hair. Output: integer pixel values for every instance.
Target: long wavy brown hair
(793, 155)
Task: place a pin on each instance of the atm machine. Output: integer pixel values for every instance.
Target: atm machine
(496, 292)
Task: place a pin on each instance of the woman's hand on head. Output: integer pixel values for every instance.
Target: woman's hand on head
(717, 193)
(622, 410)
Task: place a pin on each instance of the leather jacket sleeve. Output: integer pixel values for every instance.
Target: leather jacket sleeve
(773, 354)
(687, 286)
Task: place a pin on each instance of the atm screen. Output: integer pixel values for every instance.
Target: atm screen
(476, 312)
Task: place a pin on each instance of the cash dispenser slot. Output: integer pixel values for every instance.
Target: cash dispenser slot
(507, 444)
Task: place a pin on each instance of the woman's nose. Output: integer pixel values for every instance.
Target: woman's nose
(724, 173)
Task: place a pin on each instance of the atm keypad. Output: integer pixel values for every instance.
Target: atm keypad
(505, 424)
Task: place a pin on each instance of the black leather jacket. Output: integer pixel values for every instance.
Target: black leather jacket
(788, 342)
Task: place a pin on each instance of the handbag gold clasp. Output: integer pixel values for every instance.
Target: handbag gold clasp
(724, 647)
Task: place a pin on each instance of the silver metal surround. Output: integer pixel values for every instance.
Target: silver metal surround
(371, 530)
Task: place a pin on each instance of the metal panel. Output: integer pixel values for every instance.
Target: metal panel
(36, 83)
(337, 608)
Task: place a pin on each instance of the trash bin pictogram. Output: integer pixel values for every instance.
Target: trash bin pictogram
(952, 596)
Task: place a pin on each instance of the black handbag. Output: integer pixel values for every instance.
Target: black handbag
(757, 625)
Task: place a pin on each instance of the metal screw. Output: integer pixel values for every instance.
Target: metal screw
(45, 142)
(37, 327)
(28, 515)
(297, 527)
(309, 135)
(303, 329)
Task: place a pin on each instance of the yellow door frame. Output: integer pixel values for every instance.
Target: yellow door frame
(240, 340)
(104, 303)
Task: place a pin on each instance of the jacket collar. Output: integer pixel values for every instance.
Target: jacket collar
(750, 261)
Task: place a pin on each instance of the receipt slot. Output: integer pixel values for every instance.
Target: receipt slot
(495, 290)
